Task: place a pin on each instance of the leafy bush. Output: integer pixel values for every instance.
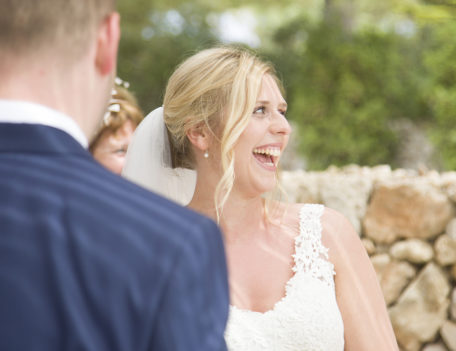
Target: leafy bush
(344, 89)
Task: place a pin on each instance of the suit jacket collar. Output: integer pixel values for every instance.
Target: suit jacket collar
(17, 111)
(36, 138)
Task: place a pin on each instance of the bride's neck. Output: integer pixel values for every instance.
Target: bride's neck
(238, 215)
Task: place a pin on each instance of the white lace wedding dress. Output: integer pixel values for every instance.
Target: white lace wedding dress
(307, 318)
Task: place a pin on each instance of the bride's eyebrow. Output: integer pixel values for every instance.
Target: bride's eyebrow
(266, 102)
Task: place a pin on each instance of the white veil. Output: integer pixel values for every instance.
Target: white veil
(148, 161)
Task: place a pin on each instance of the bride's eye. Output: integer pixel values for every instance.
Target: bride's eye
(259, 110)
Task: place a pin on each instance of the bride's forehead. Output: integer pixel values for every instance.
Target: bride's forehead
(269, 88)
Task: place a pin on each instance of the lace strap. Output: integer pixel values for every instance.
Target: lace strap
(311, 257)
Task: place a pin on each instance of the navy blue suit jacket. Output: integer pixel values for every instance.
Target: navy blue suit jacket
(90, 261)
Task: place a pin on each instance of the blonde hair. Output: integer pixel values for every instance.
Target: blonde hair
(216, 87)
(28, 26)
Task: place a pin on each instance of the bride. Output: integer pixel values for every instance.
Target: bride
(299, 277)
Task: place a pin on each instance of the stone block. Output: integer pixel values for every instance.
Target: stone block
(422, 308)
(406, 208)
(412, 250)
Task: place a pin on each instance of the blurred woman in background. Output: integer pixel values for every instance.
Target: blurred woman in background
(110, 143)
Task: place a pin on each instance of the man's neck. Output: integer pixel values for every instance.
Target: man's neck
(50, 85)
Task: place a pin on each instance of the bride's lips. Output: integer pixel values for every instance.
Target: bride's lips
(268, 155)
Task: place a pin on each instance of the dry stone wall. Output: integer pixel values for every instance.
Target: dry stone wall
(407, 223)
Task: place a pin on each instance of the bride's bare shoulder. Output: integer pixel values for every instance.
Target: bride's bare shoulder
(335, 223)
(340, 237)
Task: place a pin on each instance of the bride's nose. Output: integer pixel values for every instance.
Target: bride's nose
(280, 124)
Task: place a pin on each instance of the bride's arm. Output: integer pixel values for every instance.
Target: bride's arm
(361, 303)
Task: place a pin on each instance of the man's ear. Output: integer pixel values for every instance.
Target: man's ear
(108, 36)
(199, 137)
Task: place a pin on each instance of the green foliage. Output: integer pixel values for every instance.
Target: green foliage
(345, 89)
(441, 69)
(346, 83)
(150, 52)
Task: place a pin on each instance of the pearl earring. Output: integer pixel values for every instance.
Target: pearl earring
(206, 154)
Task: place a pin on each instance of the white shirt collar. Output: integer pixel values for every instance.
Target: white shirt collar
(15, 111)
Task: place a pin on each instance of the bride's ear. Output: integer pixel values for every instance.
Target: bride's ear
(199, 137)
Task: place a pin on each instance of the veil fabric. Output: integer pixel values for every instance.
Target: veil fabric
(148, 161)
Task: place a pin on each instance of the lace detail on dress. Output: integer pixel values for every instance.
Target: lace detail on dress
(311, 256)
(307, 317)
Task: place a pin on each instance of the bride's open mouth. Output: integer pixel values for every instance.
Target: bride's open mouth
(267, 157)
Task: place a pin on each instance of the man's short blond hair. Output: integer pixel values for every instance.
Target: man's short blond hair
(66, 26)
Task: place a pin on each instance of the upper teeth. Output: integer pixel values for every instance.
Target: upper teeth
(268, 151)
